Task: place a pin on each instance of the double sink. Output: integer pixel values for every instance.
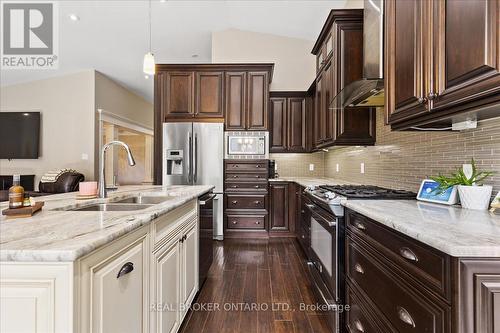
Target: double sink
(128, 204)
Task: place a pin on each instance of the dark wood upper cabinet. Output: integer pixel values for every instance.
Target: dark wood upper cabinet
(466, 47)
(258, 96)
(287, 122)
(235, 118)
(278, 124)
(296, 124)
(354, 125)
(209, 94)
(178, 95)
(405, 59)
(442, 61)
(340, 45)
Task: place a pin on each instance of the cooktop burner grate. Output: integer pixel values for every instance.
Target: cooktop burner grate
(368, 192)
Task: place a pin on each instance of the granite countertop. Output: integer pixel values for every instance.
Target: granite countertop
(452, 230)
(57, 235)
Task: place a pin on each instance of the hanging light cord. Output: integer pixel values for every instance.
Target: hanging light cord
(150, 39)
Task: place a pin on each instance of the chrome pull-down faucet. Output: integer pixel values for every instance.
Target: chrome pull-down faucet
(102, 176)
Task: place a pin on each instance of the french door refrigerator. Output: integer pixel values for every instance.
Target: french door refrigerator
(193, 154)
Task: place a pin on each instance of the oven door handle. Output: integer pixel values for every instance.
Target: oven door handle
(314, 212)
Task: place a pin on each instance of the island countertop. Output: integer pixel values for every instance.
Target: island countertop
(58, 235)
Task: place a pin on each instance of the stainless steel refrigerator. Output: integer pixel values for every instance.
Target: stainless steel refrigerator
(193, 154)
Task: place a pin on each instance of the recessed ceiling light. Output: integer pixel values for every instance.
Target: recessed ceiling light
(163, 0)
(194, 56)
(74, 17)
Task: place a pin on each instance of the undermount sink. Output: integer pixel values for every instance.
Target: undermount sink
(112, 207)
(146, 200)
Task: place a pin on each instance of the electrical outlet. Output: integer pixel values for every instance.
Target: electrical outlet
(311, 167)
(362, 168)
(337, 167)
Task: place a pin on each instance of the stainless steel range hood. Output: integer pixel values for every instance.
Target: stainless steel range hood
(369, 91)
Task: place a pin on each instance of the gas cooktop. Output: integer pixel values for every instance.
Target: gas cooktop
(366, 192)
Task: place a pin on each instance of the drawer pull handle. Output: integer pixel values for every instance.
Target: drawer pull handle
(126, 268)
(234, 222)
(257, 202)
(359, 269)
(358, 325)
(256, 186)
(234, 186)
(405, 317)
(234, 202)
(408, 254)
(257, 176)
(235, 166)
(360, 226)
(257, 166)
(235, 176)
(257, 222)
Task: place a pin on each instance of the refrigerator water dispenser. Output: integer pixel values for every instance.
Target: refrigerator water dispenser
(175, 161)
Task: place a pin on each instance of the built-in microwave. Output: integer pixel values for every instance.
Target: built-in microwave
(246, 145)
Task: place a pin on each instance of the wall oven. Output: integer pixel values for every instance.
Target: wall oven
(246, 145)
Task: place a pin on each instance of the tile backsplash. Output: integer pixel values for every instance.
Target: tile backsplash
(297, 165)
(403, 159)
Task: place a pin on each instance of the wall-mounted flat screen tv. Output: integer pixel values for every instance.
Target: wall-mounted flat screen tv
(19, 135)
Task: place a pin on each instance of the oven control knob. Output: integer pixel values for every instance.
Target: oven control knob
(310, 188)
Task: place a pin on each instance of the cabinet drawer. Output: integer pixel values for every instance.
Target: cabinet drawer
(247, 201)
(245, 221)
(406, 309)
(246, 187)
(246, 167)
(246, 177)
(428, 266)
(358, 318)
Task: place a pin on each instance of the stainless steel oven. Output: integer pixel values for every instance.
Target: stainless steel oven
(246, 145)
(324, 256)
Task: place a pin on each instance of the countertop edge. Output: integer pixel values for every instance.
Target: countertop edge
(141, 219)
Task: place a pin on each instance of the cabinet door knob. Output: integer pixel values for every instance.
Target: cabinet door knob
(234, 222)
(422, 100)
(257, 176)
(359, 269)
(126, 268)
(257, 202)
(234, 186)
(360, 226)
(235, 166)
(234, 202)
(256, 186)
(405, 316)
(432, 95)
(235, 176)
(359, 326)
(408, 254)
(257, 222)
(257, 166)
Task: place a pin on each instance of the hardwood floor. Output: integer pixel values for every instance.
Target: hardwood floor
(258, 285)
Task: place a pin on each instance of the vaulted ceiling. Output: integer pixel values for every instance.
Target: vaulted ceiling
(112, 36)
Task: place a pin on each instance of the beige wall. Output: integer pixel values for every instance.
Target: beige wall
(294, 67)
(68, 129)
(66, 104)
(114, 98)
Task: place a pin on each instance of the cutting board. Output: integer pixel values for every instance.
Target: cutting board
(23, 212)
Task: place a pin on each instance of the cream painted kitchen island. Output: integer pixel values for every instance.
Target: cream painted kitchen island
(93, 271)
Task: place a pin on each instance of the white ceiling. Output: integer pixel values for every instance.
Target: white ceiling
(112, 36)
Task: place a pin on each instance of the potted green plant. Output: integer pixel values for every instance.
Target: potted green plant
(473, 194)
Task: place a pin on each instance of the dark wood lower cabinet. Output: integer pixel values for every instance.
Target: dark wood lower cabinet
(282, 209)
(397, 284)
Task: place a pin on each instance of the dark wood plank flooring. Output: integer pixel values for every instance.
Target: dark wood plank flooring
(268, 274)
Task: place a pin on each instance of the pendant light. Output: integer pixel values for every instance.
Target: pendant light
(148, 66)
